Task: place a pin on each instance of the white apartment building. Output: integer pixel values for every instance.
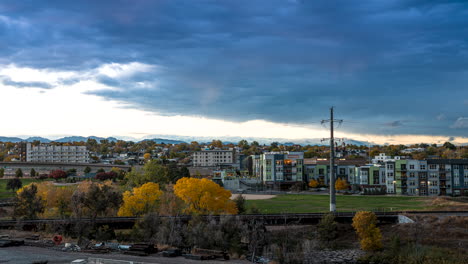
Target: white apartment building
(382, 158)
(61, 154)
(212, 158)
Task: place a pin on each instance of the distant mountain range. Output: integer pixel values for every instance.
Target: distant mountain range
(173, 139)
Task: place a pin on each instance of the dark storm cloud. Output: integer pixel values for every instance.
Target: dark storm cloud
(283, 61)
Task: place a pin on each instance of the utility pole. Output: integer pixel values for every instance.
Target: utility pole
(332, 161)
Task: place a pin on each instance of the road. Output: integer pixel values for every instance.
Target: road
(28, 255)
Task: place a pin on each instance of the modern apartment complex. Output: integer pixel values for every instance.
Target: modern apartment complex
(394, 175)
(213, 158)
(279, 169)
(60, 154)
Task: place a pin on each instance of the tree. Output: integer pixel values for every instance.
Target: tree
(341, 184)
(18, 173)
(313, 183)
(27, 203)
(449, 145)
(104, 176)
(153, 171)
(57, 199)
(94, 199)
(365, 224)
(327, 229)
(203, 196)
(240, 204)
(216, 143)
(57, 174)
(147, 156)
(71, 172)
(32, 173)
(2, 172)
(141, 200)
(14, 184)
(87, 170)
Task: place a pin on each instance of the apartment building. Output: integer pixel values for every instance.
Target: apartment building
(452, 176)
(319, 169)
(279, 169)
(57, 154)
(213, 158)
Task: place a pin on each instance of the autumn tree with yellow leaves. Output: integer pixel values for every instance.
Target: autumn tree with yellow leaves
(341, 184)
(313, 183)
(141, 200)
(365, 224)
(203, 196)
(57, 199)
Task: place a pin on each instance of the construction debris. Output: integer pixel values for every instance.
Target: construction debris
(141, 249)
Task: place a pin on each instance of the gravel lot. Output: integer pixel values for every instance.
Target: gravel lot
(28, 255)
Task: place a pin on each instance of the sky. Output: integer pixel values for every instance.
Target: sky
(395, 71)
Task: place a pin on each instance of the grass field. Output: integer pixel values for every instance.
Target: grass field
(4, 193)
(300, 203)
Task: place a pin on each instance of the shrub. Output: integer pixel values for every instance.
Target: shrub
(58, 174)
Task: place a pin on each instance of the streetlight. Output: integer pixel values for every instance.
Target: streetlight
(394, 187)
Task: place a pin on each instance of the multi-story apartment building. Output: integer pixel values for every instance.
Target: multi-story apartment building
(319, 169)
(213, 158)
(279, 169)
(452, 175)
(61, 154)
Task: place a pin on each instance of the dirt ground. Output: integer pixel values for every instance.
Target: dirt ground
(254, 196)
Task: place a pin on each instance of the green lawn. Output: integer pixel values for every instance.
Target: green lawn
(303, 203)
(7, 194)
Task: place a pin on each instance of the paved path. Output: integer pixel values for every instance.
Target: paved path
(254, 196)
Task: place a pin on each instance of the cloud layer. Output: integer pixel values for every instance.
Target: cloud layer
(389, 67)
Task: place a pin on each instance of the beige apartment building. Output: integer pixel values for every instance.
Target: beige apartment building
(211, 158)
(59, 154)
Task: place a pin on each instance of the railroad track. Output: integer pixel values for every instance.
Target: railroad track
(273, 219)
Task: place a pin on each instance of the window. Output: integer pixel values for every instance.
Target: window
(390, 166)
(432, 167)
(456, 167)
(465, 167)
(422, 167)
(342, 171)
(411, 174)
(465, 174)
(390, 174)
(411, 166)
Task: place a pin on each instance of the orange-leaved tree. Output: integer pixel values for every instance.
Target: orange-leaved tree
(141, 200)
(203, 196)
(365, 224)
(313, 183)
(341, 184)
(57, 199)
